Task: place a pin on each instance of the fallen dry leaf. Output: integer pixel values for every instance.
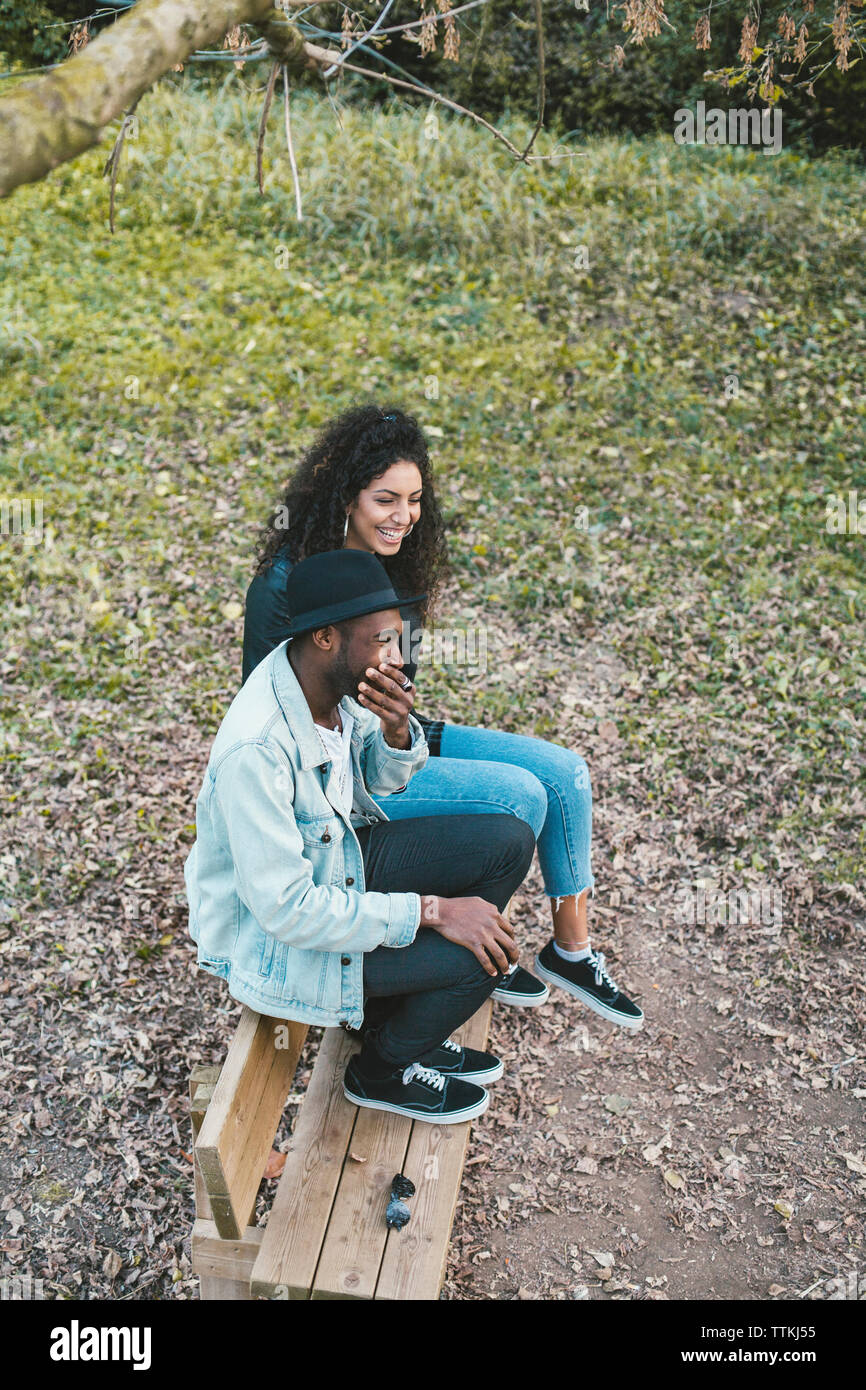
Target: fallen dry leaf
(602, 1257)
(652, 1152)
(275, 1164)
(617, 1104)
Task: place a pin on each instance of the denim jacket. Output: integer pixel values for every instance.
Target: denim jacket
(275, 879)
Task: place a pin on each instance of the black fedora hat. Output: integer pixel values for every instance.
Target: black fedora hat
(339, 584)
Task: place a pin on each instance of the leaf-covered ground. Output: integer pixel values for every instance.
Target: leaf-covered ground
(642, 371)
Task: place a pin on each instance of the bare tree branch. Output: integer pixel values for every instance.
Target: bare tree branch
(260, 143)
(112, 165)
(539, 29)
(427, 92)
(295, 178)
(61, 114)
(45, 122)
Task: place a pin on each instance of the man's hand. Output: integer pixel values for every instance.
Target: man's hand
(383, 693)
(475, 924)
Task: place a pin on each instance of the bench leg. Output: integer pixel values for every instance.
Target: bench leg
(224, 1274)
(224, 1266)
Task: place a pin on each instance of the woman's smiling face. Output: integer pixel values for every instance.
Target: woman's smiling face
(383, 511)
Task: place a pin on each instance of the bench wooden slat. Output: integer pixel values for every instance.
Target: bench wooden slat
(202, 1080)
(413, 1265)
(224, 1265)
(355, 1240)
(242, 1117)
(302, 1206)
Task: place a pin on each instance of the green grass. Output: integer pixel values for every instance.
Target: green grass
(155, 387)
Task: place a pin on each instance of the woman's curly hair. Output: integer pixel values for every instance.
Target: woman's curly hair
(350, 451)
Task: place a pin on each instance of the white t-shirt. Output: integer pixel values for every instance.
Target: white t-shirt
(339, 745)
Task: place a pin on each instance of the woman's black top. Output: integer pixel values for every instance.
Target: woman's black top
(266, 625)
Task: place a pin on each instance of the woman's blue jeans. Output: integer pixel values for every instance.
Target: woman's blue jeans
(544, 784)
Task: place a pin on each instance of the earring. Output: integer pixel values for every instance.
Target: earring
(410, 530)
(346, 528)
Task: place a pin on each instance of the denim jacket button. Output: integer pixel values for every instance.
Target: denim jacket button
(345, 960)
(326, 838)
(349, 882)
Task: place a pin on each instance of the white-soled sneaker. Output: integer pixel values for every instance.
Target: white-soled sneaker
(521, 990)
(418, 1092)
(466, 1062)
(589, 981)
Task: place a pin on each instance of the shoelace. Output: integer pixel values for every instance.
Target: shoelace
(452, 1046)
(601, 975)
(415, 1072)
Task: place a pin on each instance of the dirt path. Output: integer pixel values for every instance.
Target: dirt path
(702, 1157)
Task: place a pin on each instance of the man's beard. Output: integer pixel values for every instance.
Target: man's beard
(343, 680)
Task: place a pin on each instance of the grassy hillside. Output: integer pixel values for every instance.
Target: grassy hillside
(156, 386)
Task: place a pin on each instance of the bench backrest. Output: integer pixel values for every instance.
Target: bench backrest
(243, 1114)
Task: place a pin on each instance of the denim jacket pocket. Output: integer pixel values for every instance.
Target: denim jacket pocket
(266, 955)
(323, 837)
(319, 829)
(273, 960)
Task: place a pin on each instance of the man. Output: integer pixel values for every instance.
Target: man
(307, 899)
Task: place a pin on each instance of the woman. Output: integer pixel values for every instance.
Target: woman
(366, 484)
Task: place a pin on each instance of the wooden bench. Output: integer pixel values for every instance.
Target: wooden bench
(326, 1235)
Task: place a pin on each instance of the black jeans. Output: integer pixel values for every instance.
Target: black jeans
(430, 987)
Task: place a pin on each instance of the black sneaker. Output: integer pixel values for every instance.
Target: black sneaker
(521, 989)
(418, 1092)
(466, 1062)
(588, 980)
